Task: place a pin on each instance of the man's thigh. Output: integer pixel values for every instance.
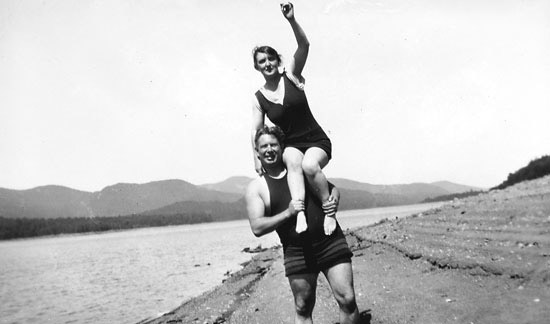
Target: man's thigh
(340, 278)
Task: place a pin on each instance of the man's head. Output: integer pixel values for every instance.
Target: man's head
(269, 142)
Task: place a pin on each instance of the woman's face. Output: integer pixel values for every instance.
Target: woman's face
(267, 64)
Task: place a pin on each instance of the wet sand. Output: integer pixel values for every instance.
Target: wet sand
(483, 259)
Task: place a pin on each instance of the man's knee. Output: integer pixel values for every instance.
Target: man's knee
(346, 300)
(304, 306)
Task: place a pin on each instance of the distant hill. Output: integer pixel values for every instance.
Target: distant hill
(50, 210)
(119, 199)
(216, 211)
(178, 196)
(45, 202)
(125, 199)
(454, 187)
(364, 195)
(232, 185)
(409, 193)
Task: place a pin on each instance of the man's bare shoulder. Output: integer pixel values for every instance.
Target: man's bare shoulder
(256, 187)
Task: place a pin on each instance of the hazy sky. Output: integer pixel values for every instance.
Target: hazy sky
(94, 93)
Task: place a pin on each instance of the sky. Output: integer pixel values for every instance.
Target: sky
(94, 93)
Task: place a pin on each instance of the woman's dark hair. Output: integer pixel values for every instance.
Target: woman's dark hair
(266, 50)
(270, 130)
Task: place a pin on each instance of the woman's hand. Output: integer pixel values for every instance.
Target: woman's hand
(258, 167)
(288, 10)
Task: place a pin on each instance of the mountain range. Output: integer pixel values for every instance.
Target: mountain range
(171, 197)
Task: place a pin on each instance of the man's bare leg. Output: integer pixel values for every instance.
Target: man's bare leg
(340, 279)
(303, 287)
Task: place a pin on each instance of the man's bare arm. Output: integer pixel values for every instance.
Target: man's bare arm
(255, 206)
(330, 207)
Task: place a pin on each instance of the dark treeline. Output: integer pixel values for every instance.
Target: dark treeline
(182, 213)
(29, 227)
(453, 196)
(535, 169)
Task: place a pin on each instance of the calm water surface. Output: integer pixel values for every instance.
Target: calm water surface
(127, 276)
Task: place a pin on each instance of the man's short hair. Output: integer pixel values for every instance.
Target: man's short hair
(270, 130)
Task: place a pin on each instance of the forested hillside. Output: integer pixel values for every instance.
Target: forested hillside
(537, 168)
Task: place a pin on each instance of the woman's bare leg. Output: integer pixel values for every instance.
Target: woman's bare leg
(292, 158)
(313, 162)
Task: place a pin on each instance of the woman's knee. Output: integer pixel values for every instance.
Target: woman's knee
(293, 162)
(310, 166)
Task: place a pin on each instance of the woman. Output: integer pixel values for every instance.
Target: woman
(282, 99)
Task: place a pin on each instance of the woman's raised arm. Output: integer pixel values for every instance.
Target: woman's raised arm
(300, 56)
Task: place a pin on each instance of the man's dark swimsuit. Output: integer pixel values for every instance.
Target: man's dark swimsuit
(295, 119)
(311, 251)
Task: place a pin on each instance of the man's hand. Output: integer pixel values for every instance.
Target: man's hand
(296, 206)
(330, 207)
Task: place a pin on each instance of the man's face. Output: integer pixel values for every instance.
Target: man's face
(269, 150)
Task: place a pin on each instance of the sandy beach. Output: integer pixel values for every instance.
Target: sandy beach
(483, 259)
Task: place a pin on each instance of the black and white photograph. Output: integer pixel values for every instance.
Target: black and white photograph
(261, 161)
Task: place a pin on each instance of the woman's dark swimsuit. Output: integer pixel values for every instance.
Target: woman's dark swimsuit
(311, 251)
(295, 119)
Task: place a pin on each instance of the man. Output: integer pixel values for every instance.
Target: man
(270, 208)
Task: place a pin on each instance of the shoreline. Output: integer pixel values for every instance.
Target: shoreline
(482, 259)
(224, 222)
(231, 292)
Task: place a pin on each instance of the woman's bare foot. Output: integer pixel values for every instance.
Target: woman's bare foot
(301, 223)
(329, 225)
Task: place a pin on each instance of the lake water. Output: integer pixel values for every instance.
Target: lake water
(127, 276)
